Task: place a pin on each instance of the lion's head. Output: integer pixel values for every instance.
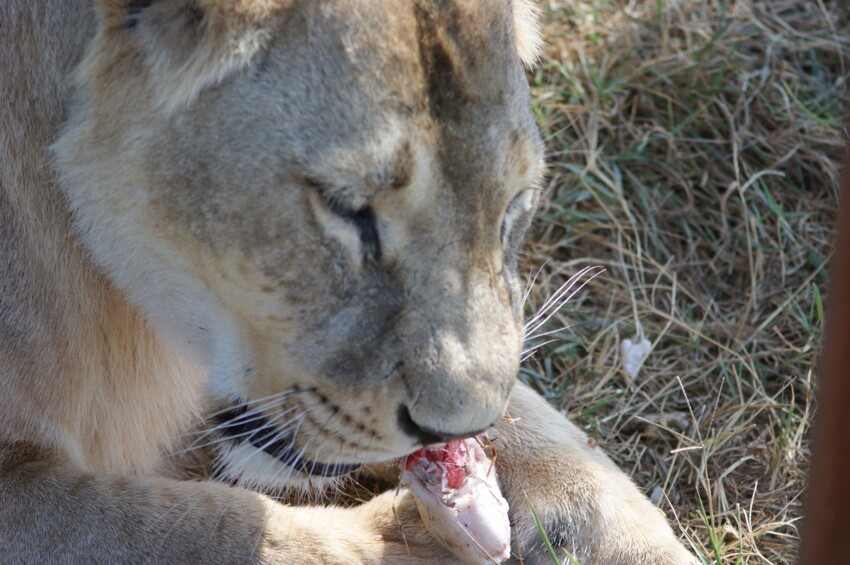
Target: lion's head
(324, 199)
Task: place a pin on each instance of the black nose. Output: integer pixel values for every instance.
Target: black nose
(427, 435)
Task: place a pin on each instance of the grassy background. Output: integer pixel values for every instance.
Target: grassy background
(694, 153)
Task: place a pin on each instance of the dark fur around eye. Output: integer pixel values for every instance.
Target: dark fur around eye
(135, 8)
(134, 11)
(365, 221)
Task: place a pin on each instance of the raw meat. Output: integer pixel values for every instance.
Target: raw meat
(459, 500)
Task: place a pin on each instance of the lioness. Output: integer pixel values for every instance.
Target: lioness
(293, 222)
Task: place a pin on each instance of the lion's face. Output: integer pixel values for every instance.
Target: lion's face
(326, 200)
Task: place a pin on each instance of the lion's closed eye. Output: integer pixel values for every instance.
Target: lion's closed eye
(517, 215)
(355, 228)
(365, 220)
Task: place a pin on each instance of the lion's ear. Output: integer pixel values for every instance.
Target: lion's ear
(187, 44)
(528, 36)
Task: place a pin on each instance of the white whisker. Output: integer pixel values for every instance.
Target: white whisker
(272, 398)
(547, 333)
(551, 306)
(528, 353)
(219, 440)
(530, 284)
(280, 435)
(561, 297)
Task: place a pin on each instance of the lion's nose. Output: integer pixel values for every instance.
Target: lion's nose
(426, 435)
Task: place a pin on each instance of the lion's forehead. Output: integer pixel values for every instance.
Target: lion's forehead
(389, 60)
(343, 91)
(459, 73)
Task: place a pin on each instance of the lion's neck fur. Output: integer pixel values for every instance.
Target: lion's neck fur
(72, 349)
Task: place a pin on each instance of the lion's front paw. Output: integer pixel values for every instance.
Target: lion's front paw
(590, 512)
(588, 508)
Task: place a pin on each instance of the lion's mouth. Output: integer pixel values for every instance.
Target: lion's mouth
(241, 426)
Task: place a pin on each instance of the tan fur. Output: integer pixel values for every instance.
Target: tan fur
(231, 201)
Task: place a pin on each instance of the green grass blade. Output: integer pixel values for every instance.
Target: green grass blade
(549, 548)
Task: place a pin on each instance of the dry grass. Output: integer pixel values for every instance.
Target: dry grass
(694, 149)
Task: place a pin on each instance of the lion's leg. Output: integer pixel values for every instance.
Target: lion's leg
(587, 506)
(51, 512)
